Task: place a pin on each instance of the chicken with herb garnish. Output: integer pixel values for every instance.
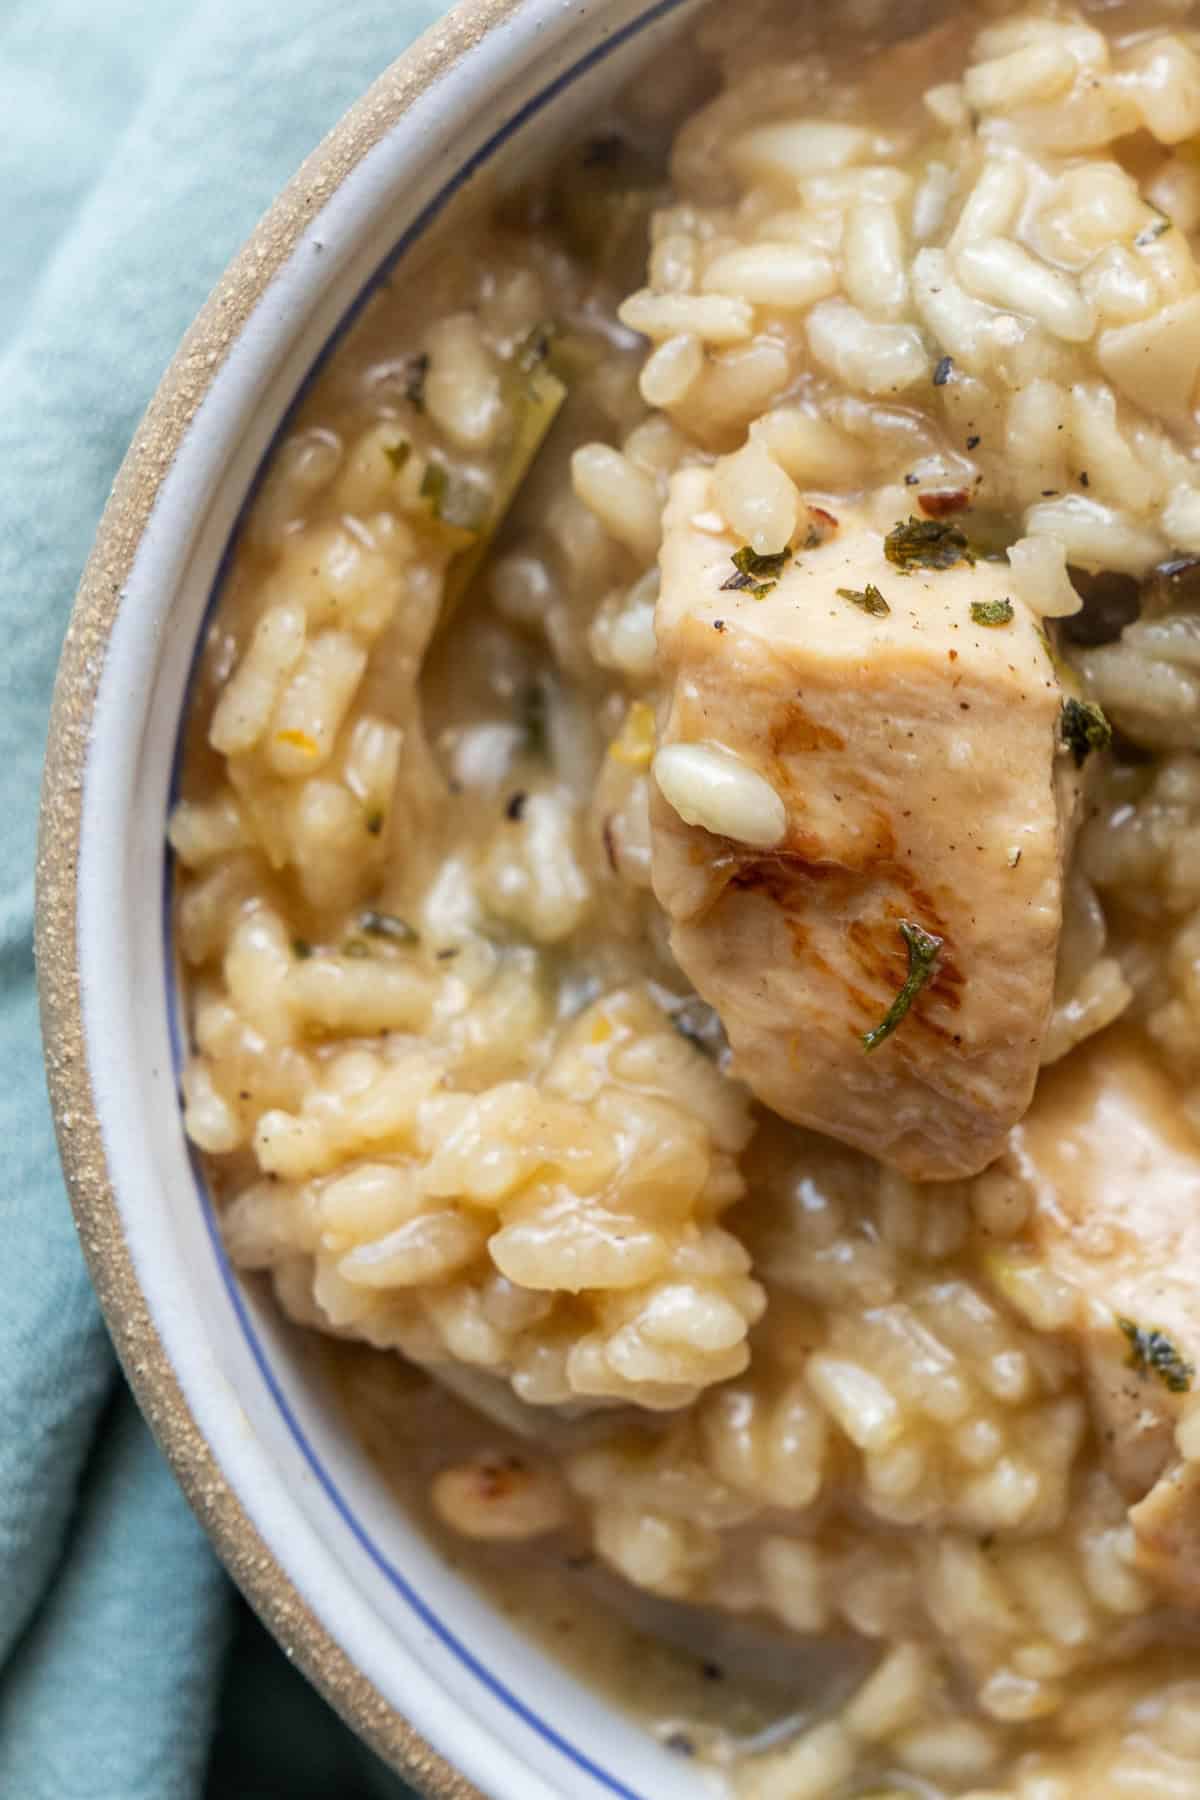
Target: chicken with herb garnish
(869, 748)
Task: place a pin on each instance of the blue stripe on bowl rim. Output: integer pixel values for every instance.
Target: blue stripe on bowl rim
(420, 1607)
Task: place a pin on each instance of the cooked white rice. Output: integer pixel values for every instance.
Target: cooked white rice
(457, 1100)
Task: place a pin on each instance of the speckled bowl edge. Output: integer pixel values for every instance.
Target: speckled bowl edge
(150, 1372)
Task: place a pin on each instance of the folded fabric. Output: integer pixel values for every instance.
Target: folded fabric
(141, 144)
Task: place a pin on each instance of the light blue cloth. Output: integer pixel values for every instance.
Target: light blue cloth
(142, 138)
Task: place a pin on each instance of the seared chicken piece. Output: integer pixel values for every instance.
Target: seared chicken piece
(1115, 1178)
(826, 772)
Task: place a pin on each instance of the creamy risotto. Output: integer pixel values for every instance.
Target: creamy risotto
(689, 889)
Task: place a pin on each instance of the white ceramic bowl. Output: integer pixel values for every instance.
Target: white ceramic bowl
(407, 1650)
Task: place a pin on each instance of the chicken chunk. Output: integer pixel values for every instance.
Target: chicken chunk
(826, 772)
(1114, 1175)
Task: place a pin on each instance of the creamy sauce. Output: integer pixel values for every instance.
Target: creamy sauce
(698, 1681)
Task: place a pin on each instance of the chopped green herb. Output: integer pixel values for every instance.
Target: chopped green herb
(923, 951)
(747, 561)
(388, 925)
(356, 947)
(756, 574)
(943, 371)
(375, 822)
(1151, 1352)
(992, 612)
(926, 544)
(301, 949)
(1084, 729)
(414, 380)
(536, 347)
(536, 403)
(433, 486)
(868, 600)
(398, 454)
(531, 714)
(453, 499)
(1150, 234)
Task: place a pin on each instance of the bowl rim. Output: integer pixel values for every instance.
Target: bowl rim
(191, 373)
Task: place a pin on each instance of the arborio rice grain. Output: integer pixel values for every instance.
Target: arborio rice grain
(458, 1101)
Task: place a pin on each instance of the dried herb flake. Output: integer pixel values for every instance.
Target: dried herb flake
(923, 951)
(992, 612)
(868, 600)
(1084, 728)
(756, 574)
(398, 454)
(1151, 1352)
(301, 949)
(926, 544)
